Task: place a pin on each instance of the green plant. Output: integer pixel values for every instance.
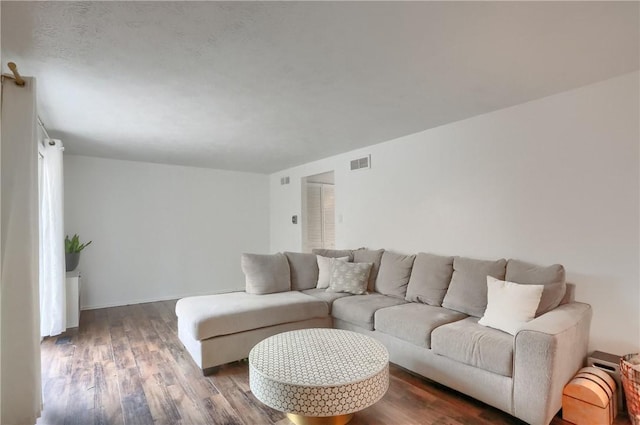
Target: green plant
(73, 245)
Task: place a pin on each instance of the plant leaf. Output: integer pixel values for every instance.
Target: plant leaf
(73, 245)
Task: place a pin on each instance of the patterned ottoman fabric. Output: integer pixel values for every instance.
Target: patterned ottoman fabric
(319, 372)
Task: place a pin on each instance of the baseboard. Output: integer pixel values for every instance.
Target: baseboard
(155, 299)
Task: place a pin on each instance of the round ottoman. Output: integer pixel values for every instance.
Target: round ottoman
(319, 376)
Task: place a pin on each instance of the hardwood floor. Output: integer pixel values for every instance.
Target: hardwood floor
(125, 365)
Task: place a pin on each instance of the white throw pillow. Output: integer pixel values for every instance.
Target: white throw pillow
(325, 266)
(510, 305)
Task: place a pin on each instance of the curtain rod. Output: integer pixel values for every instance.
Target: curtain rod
(44, 129)
(16, 75)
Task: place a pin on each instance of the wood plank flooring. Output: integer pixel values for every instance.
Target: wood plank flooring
(125, 365)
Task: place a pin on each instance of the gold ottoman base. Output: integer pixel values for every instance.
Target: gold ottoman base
(319, 420)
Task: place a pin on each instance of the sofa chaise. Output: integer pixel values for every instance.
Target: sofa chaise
(428, 310)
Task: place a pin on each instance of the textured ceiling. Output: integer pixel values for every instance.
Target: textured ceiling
(261, 87)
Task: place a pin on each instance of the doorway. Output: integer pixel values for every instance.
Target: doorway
(318, 211)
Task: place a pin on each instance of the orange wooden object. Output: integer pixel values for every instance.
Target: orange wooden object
(587, 398)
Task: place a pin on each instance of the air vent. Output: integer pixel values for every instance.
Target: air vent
(284, 180)
(361, 163)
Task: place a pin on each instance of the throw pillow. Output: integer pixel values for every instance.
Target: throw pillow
(266, 274)
(333, 253)
(430, 279)
(394, 274)
(325, 265)
(351, 278)
(304, 270)
(467, 291)
(552, 277)
(510, 305)
(369, 256)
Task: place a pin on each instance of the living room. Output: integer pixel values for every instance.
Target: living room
(511, 135)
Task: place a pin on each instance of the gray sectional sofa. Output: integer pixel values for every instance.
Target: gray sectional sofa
(425, 309)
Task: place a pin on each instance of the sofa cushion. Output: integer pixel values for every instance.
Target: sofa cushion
(510, 305)
(470, 343)
(334, 253)
(467, 291)
(304, 270)
(324, 295)
(414, 322)
(266, 274)
(430, 278)
(369, 256)
(394, 273)
(552, 277)
(223, 314)
(348, 277)
(325, 268)
(359, 309)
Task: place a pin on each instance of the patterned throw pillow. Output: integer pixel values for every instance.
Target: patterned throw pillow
(351, 278)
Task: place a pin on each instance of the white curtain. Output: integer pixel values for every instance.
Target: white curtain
(52, 269)
(20, 387)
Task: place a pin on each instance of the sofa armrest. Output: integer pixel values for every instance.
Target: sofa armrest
(548, 351)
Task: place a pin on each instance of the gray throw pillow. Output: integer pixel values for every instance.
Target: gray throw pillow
(348, 277)
(369, 256)
(552, 277)
(430, 278)
(467, 291)
(394, 274)
(334, 253)
(304, 270)
(266, 274)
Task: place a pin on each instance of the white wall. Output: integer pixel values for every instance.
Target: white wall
(162, 231)
(552, 180)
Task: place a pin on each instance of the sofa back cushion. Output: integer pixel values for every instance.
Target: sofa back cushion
(467, 291)
(304, 270)
(552, 277)
(430, 279)
(369, 256)
(266, 274)
(333, 253)
(394, 274)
